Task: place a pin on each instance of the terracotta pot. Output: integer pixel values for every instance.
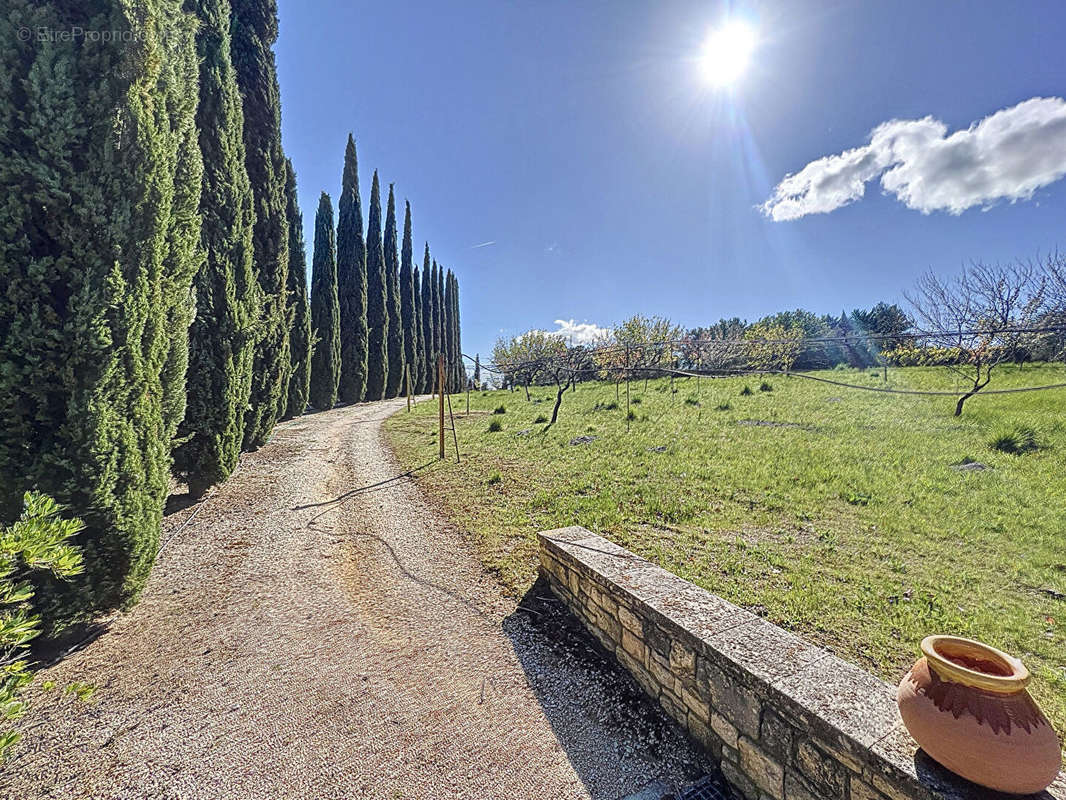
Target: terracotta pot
(965, 703)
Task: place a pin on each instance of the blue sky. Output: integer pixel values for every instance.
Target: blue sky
(581, 139)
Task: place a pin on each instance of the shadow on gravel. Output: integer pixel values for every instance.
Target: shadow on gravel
(617, 740)
(370, 487)
(48, 651)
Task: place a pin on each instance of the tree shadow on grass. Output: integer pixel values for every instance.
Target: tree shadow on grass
(616, 738)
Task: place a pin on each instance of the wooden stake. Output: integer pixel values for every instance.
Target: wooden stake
(627, 387)
(407, 369)
(440, 393)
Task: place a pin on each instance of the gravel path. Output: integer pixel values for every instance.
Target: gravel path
(317, 631)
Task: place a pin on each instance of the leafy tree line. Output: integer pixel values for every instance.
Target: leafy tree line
(155, 318)
(969, 323)
(378, 319)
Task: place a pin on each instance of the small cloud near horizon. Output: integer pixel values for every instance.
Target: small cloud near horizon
(579, 332)
(1008, 155)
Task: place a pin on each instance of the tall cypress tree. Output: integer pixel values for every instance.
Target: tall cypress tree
(184, 253)
(301, 344)
(408, 312)
(352, 282)
(377, 310)
(255, 28)
(439, 318)
(446, 328)
(325, 311)
(419, 364)
(85, 313)
(227, 296)
(457, 345)
(429, 350)
(434, 323)
(395, 343)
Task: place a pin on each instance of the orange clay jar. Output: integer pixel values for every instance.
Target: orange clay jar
(965, 703)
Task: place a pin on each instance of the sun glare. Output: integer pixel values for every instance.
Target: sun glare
(726, 53)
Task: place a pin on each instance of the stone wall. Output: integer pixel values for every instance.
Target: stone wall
(786, 720)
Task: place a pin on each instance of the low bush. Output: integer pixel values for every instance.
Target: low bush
(36, 543)
(766, 387)
(501, 409)
(1015, 441)
(746, 391)
(495, 426)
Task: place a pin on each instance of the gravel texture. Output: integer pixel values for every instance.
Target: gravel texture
(317, 630)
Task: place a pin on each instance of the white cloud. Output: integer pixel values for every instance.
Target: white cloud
(579, 332)
(1007, 155)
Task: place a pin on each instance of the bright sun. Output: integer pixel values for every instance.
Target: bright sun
(726, 53)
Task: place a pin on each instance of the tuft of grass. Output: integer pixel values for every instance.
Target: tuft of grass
(723, 406)
(500, 409)
(632, 415)
(766, 387)
(691, 401)
(746, 391)
(635, 401)
(1015, 440)
(495, 426)
(540, 418)
(611, 406)
(494, 478)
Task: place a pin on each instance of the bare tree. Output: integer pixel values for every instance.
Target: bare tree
(979, 313)
(1053, 270)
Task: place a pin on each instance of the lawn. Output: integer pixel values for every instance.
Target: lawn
(837, 513)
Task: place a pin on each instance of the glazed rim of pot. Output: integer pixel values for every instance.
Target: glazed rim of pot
(945, 652)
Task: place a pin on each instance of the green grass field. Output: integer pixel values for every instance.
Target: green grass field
(843, 520)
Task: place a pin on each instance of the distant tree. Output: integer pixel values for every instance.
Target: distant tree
(408, 310)
(979, 312)
(772, 347)
(714, 348)
(352, 282)
(477, 370)
(650, 342)
(428, 329)
(1051, 345)
(377, 310)
(93, 272)
(419, 365)
(301, 345)
(254, 29)
(887, 321)
(325, 311)
(395, 343)
(222, 338)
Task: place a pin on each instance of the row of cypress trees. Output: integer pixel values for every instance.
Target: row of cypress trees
(373, 314)
(155, 317)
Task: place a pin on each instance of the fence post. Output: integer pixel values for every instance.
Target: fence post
(440, 393)
(627, 388)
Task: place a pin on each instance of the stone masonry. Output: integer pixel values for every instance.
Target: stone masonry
(785, 719)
